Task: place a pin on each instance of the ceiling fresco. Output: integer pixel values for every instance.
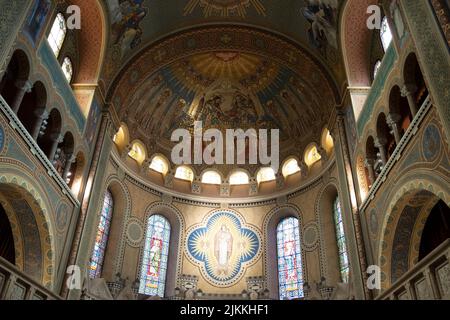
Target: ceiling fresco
(138, 23)
(224, 90)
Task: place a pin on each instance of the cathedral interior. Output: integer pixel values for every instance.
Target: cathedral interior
(93, 205)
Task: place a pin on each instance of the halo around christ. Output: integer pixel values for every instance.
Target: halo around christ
(223, 247)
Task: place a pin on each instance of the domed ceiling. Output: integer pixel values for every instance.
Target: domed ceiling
(223, 62)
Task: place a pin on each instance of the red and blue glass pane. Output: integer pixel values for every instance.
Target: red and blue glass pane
(290, 274)
(156, 252)
(101, 238)
(342, 245)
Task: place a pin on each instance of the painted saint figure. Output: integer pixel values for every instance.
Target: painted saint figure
(223, 247)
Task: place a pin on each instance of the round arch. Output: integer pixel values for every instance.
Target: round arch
(29, 213)
(407, 210)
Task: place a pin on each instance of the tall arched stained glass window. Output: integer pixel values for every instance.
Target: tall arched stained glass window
(67, 69)
(101, 240)
(342, 245)
(57, 34)
(290, 273)
(154, 261)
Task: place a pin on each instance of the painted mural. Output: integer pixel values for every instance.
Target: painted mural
(92, 123)
(322, 16)
(224, 8)
(223, 247)
(223, 89)
(36, 20)
(126, 18)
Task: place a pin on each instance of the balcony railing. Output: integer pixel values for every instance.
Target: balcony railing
(16, 124)
(396, 155)
(427, 280)
(16, 285)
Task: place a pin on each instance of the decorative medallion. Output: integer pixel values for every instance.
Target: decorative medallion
(135, 232)
(431, 143)
(225, 8)
(62, 215)
(310, 236)
(223, 247)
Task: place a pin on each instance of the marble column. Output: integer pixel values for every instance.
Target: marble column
(126, 151)
(41, 115)
(23, 87)
(393, 121)
(408, 91)
(380, 144)
(71, 159)
(56, 139)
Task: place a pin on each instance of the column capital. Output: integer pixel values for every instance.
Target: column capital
(408, 89)
(41, 113)
(57, 137)
(368, 162)
(393, 118)
(380, 142)
(24, 85)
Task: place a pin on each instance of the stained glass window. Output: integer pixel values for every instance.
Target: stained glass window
(342, 245)
(101, 239)
(265, 174)
(57, 34)
(385, 34)
(290, 273)
(67, 69)
(156, 252)
(211, 177)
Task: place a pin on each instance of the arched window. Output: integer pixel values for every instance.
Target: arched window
(67, 69)
(376, 68)
(290, 273)
(184, 173)
(312, 155)
(265, 174)
(290, 167)
(101, 240)
(211, 177)
(239, 178)
(159, 164)
(385, 34)
(57, 34)
(156, 252)
(342, 245)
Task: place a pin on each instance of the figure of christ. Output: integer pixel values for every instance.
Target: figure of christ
(223, 247)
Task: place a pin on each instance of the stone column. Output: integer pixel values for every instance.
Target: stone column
(347, 195)
(41, 115)
(145, 165)
(408, 92)
(56, 138)
(24, 87)
(380, 144)
(393, 120)
(70, 160)
(369, 163)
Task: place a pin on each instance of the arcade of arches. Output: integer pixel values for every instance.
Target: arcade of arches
(89, 187)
